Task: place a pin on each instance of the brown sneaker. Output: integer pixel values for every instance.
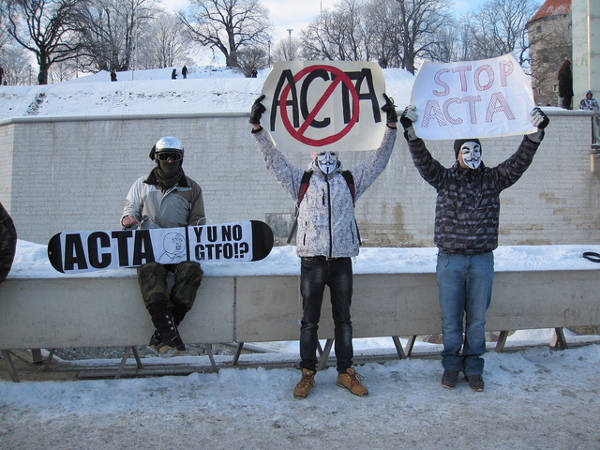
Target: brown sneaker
(306, 383)
(351, 380)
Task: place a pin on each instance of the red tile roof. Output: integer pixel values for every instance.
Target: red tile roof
(552, 8)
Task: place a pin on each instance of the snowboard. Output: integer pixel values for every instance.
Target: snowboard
(87, 251)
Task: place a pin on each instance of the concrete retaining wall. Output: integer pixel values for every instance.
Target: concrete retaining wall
(98, 312)
(73, 173)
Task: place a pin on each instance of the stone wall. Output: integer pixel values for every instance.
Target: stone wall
(74, 173)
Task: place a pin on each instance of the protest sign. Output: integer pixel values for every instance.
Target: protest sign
(86, 251)
(491, 97)
(325, 105)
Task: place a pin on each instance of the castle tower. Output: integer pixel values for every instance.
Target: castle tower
(550, 43)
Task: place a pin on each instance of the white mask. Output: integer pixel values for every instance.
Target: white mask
(471, 154)
(327, 161)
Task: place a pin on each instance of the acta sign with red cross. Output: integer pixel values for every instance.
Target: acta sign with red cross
(330, 105)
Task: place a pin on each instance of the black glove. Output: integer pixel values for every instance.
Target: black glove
(539, 119)
(257, 110)
(390, 109)
(408, 117)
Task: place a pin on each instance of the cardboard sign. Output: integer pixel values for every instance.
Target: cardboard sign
(85, 251)
(491, 97)
(325, 105)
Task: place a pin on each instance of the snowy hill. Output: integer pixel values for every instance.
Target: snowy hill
(206, 90)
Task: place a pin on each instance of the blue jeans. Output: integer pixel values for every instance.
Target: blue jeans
(316, 273)
(465, 289)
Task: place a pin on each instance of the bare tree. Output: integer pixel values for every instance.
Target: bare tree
(419, 22)
(48, 28)
(111, 31)
(338, 35)
(499, 27)
(250, 59)
(14, 59)
(382, 26)
(228, 25)
(165, 44)
(287, 49)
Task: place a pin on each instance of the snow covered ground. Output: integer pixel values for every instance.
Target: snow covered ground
(534, 398)
(206, 90)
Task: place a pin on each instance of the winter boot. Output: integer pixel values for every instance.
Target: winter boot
(154, 341)
(449, 379)
(306, 383)
(475, 382)
(352, 381)
(170, 341)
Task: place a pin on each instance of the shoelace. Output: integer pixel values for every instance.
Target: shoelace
(305, 380)
(356, 378)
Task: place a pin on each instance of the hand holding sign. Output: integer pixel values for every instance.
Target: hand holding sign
(539, 120)
(390, 110)
(409, 116)
(257, 111)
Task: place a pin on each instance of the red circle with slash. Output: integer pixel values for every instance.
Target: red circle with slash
(299, 133)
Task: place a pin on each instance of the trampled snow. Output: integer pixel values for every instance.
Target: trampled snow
(534, 398)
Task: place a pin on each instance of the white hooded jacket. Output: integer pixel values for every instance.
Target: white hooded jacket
(326, 223)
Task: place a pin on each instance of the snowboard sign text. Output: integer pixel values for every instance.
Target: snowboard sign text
(82, 251)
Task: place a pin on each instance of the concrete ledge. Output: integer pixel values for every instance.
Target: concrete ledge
(98, 312)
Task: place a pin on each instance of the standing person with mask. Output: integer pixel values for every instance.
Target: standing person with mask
(326, 241)
(166, 198)
(467, 217)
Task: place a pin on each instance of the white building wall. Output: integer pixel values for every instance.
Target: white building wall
(73, 174)
(586, 51)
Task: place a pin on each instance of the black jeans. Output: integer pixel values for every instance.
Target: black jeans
(316, 273)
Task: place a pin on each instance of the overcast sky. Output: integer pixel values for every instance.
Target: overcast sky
(296, 15)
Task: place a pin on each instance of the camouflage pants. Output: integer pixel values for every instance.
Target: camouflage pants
(152, 278)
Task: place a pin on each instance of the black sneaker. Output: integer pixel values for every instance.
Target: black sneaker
(449, 379)
(476, 382)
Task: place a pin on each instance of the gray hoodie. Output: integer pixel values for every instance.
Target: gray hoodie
(326, 223)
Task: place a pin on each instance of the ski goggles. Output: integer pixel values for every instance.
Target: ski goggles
(173, 156)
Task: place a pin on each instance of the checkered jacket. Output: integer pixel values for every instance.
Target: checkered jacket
(467, 210)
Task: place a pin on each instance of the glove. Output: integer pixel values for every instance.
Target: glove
(390, 109)
(406, 119)
(539, 120)
(257, 110)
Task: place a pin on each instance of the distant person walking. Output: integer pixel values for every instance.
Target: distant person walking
(184, 72)
(1, 75)
(565, 84)
(113, 75)
(174, 74)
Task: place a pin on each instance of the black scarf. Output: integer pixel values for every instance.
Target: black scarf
(163, 180)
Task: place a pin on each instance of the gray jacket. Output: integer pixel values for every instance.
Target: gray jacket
(180, 206)
(326, 223)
